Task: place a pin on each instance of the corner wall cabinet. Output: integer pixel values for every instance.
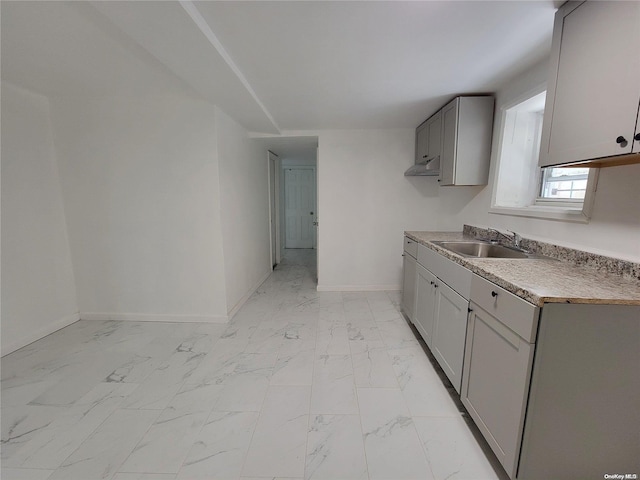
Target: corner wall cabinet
(456, 141)
(593, 92)
(467, 125)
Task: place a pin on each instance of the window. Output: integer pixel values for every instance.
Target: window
(562, 184)
(521, 187)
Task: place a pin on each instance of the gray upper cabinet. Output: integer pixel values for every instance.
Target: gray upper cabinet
(428, 139)
(467, 124)
(593, 91)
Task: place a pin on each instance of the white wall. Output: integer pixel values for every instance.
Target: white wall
(244, 202)
(614, 228)
(365, 204)
(38, 290)
(140, 185)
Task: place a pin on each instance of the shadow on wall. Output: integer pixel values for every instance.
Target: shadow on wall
(453, 200)
(427, 187)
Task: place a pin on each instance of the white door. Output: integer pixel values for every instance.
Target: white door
(300, 210)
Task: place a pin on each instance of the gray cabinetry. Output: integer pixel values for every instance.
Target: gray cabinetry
(449, 332)
(441, 311)
(467, 124)
(594, 83)
(409, 263)
(497, 369)
(425, 304)
(428, 140)
(583, 417)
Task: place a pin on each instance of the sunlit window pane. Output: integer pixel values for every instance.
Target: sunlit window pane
(564, 183)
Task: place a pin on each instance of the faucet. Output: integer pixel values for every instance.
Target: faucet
(514, 238)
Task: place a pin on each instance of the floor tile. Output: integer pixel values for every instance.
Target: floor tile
(333, 389)
(421, 386)
(335, 448)
(220, 448)
(144, 476)
(279, 442)
(21, 424)
(167, 442)
(243, 393)
(24, 474)
(391, 442)
(294, 365)
(452, 451)
(372, 366)
(332, 339)
(50, 447)
(100, 456)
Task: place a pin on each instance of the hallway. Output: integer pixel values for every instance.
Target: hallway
(300, 384)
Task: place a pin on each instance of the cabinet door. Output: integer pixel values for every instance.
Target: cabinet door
(595, 97)
(409, 286)
(449, 332)
(425, 303)
(449, 141)
(495, 384)
(422, 140)
(434, 134)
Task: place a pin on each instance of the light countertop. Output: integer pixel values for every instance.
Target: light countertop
(540, 280)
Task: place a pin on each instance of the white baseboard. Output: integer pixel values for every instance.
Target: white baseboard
(40, 333)
(153, 317)
(358, 288)
(246, 297)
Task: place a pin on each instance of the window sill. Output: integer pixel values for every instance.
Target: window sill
(575, 215)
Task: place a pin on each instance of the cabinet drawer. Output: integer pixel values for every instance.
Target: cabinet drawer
(514, 312)
(451, 273)
(411, 247)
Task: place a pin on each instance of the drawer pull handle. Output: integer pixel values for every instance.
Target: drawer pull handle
(432, 282)
(435, 285)
(494, 293)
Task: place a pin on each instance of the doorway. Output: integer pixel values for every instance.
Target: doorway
(300, 207)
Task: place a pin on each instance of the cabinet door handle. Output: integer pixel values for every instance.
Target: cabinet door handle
(637, 137)
(433, 283)
(494, 293)
(621, 141)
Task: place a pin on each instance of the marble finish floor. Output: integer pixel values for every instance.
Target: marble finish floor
(299, 385)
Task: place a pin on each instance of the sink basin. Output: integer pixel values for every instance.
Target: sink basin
(482, 250)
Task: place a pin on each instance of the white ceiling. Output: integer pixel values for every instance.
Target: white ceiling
(278, 66)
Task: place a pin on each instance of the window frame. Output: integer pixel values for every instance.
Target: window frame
(551, 209)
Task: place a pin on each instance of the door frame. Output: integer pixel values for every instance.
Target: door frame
(273, 182)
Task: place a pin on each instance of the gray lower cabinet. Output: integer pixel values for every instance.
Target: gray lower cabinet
(409, 286)
(499, 351)
(441, 311)
(583, 415)
(496, 383)
(409, 263)
(449, 331)
(425, 304)
(554, 390)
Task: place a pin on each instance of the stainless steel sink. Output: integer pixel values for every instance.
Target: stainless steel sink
(480, 249)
